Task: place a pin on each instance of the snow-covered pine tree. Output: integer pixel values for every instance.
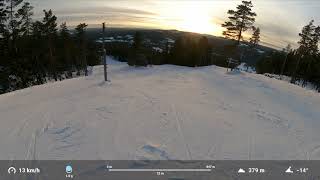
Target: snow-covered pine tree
(11, 5)
(3, 16)
(25, 13)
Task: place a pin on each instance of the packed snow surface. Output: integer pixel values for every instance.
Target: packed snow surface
(161, 112)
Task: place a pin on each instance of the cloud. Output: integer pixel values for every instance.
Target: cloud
(279, 35)
(103, 10)
(94, 15)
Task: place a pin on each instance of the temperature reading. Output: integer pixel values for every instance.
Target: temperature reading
(210, 166)
(302, 170)
(256, 170)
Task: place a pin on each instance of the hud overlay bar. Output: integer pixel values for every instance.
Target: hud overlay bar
(159, 170)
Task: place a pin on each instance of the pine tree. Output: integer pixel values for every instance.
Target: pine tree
(307, 45)
(136, 49)
(81, 38)
(49, 31)
(137, 41)
(315, 40)
(3, 49)
(49, 23)
(3, 17)
(66, 50)
(239, 21)
(308, 48)
(31, 52)
(26, 21)
(64, 31)
(255, 38)
(287, 49)
(39, 48)
(3, 30)
(13, 4)
(314, 53)
(13, 23)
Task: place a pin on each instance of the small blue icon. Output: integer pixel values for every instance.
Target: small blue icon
(68, 169)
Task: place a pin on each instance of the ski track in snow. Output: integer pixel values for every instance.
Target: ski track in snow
(180, 131)
(161, 112)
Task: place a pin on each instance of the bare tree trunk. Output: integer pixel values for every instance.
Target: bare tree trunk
(239, 37)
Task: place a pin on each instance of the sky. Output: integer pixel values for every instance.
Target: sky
(280, 21)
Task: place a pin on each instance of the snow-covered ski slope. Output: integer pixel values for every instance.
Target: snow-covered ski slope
(161, 112)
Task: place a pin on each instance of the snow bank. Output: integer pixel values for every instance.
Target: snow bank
(308, 85)
(246, 68)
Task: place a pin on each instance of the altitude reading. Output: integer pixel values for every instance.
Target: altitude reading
(256, 170)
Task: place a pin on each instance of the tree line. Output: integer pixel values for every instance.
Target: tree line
(190, 50)
(301, 64)
(34, 52)
(187, 50)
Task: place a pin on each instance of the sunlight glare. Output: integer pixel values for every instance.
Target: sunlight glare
(195, 19)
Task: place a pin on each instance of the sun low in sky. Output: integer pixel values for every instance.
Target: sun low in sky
(190, 16)
(280, 21)
(197, 21)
